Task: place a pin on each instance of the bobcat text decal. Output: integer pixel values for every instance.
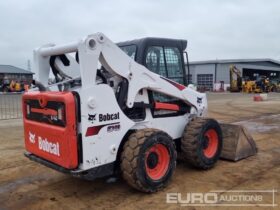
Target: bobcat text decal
(104, 117)
(44, 144)
(109, 117)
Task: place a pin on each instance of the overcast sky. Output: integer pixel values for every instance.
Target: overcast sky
(214, 28)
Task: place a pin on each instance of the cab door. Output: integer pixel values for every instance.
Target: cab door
(166, 61)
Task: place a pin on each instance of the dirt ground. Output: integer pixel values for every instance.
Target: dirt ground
(28, 185)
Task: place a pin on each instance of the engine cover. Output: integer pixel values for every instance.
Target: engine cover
(50, 127)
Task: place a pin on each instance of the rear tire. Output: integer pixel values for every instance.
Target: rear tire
(202, 143)
(148, 160)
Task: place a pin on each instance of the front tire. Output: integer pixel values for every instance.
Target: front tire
(202, 143)
(148, 160)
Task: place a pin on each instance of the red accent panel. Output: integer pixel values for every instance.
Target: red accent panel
(44, 111)
(53, 143)
(91, 131)
(166, 106)
(177, 85)
(94, 130)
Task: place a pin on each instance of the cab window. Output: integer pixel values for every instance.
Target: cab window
(174, 64)
(167, 62)
(155, 60)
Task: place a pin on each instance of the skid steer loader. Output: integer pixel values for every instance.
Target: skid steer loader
(117, 108)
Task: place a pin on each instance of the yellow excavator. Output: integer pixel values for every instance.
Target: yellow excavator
(275, 85)
(260, 85)
(238, 84)
(248, 86)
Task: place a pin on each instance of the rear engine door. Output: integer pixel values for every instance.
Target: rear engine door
(50, 127)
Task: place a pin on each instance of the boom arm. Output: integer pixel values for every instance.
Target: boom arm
(97, 47)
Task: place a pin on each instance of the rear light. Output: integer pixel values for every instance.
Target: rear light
(27, 109)
(60, 113)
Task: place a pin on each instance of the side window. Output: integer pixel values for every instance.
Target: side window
(173, 62)
(155, 60)
(155, 63)
(165, 61)
(159, 97)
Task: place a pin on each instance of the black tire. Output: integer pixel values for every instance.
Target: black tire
(199, 148)
(139, 158)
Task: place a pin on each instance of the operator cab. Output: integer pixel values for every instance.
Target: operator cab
(160, 55)
(164, 57)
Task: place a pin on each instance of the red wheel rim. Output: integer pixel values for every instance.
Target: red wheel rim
(211, 146)
(157, 161)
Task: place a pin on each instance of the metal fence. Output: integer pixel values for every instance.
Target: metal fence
(10, 106)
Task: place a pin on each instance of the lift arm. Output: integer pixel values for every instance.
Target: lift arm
(98, 48)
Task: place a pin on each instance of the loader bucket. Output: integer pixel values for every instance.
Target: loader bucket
(237, 142)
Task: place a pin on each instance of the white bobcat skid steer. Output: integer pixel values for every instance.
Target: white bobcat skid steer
(104, 112)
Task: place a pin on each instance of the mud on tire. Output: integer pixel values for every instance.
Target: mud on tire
(148, 160)
(201, 143)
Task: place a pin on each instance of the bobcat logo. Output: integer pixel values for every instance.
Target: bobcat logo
(91, 117)
(32, 137)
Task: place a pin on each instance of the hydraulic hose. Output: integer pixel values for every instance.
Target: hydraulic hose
(41, 87)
